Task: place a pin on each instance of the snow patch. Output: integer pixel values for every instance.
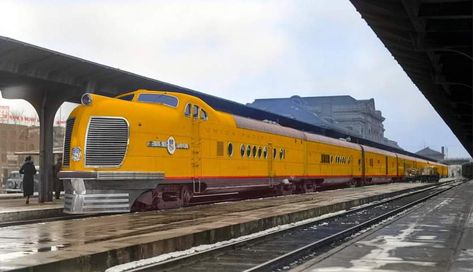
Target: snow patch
(426, 237)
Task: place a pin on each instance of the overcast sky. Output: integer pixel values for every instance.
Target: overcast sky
(238, 50)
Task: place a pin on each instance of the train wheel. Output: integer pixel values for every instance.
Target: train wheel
(186, 195)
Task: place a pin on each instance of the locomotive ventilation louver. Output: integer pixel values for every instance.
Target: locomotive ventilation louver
(67, 141)
(107, 141)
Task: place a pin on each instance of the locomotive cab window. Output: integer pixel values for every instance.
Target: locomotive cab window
(159, 99)
(195, 111)
(127, 97)
(187, 110)
(203, 115)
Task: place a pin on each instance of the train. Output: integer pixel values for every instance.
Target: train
(467, 170)
(147, 150)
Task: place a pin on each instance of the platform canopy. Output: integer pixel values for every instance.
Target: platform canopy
(432, 41)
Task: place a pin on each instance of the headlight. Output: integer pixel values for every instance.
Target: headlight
(86, 99)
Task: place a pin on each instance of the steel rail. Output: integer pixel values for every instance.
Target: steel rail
(295, 255)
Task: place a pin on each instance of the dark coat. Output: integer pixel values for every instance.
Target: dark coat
(28, 170)
(58, 184)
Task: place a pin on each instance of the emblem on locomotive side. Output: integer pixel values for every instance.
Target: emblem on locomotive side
(170, 144)
(76, 154)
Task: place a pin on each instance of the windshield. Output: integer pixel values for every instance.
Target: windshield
(126, 97)
(159, 98)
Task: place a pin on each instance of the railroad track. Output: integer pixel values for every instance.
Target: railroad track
(282, 249)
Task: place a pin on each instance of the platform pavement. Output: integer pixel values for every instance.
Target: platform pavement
(96, 243)
(15, 209)
(436, 236)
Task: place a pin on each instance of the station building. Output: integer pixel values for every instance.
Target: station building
(343, 112)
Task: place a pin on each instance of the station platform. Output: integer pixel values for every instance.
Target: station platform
(96, 243)
(13, 208)
(436, 236)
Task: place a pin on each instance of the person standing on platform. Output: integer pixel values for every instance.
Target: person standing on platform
(58, 184)
(28, 170)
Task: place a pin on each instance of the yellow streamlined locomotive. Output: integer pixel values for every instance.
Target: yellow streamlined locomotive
(154, 149)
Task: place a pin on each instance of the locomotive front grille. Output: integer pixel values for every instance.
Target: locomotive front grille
(67, 141)
(107, 142)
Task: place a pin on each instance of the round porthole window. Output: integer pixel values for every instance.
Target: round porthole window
(230, 149)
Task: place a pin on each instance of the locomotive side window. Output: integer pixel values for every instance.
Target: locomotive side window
(203, 115)
(265, 152)
(159, 99)
(242, 150)
(195, 111)
(187, 110)
(254, 151)
(230, 149)
(248, 151)
(324, 158)
(274, 153)
(259, 151)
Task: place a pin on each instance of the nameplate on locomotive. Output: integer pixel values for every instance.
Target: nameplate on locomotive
(170, 145)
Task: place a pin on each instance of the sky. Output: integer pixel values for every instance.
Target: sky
(238, 50)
